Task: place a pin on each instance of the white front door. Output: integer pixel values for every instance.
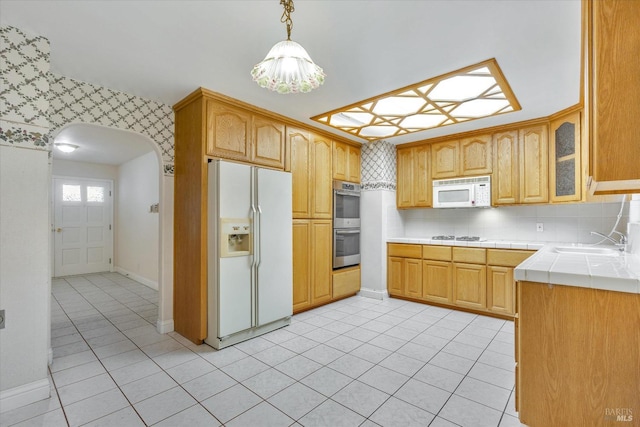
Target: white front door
(83, 240)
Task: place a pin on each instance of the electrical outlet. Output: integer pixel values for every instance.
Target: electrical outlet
(1, 319)
(539, 227)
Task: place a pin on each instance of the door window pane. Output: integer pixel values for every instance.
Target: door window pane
(95, 194)
(71, 193)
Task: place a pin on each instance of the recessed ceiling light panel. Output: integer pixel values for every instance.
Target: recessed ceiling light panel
(471, 93)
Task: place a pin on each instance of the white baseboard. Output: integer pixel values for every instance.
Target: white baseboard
(372, 293)
(24, 395)
(150, 283)
(164, 326)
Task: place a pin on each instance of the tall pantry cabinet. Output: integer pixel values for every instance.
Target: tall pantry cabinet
(311, 159)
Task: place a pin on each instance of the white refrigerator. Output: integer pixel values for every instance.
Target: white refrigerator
(250, 274)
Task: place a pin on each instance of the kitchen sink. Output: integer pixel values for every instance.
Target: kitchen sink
(587, 250)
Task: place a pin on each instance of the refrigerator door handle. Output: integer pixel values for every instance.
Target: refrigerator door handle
(258, 247)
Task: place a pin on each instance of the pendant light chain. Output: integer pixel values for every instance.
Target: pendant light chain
(286, 16)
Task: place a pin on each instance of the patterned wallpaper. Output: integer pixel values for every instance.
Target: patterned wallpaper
(24, 86)
(379, 166)
(73, 101)
(35, 104)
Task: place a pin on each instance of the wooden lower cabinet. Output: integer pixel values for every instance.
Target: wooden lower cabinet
(437, 285)
(395, 273)
(413, 277)
(346, 281)
(500, 287)
(404, 270)
(578, 356)
(312, 281)
(475, 279)
(470, 285)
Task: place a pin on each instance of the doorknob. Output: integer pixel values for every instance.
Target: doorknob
(58, 230)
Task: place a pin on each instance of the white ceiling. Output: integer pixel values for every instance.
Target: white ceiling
(99, 144)
(163, 50)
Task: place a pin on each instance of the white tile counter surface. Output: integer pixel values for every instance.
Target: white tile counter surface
(614, 273)
(497, 244)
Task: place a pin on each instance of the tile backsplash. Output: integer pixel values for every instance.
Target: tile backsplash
(562, 223)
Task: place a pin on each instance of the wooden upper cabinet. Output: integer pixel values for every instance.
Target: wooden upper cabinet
(476, 155)
(404, 182)
(613, 64)
(413, 184)
(353, 163)
(504, 187)
(311, 174)
(422, 187)
(565, 181)
(321, 188)
(268, 143)
(534, 165)
(237, 134)
(300, 159)
(445, 159)
(346, 162)
(228, 131)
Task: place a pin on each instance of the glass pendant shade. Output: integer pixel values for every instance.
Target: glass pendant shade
(287, 68)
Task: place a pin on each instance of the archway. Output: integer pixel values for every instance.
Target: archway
(106, 145)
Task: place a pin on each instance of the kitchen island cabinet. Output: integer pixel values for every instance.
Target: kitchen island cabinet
(577, 356)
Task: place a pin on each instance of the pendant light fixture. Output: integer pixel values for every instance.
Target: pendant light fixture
(287, 68)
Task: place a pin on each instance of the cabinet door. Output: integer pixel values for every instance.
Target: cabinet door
(413, 277)
(444, 159)
(564, 159)
(404, 185)
(301, 264)
(504, 187)
(500, 288)
(300, 141)
(353, 164)
(476, 155)
(422, 176)
(340, 160)
(320, 158)
(469, 285)
(395, 267)
(534, 165)
(321, 261)
(614, 94)
(437, 285)
(267, 148)
(228, 132)
(346, 282)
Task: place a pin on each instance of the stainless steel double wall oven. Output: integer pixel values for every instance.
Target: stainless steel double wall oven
(346, 224)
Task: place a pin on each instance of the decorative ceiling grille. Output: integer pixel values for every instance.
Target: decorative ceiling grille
(471, 93)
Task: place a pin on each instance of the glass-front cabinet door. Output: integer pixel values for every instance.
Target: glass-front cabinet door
(564, 159)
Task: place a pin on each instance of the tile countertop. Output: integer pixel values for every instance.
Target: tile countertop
(497, 244)
(613, 273)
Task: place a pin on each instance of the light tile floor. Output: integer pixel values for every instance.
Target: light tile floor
(355, 362)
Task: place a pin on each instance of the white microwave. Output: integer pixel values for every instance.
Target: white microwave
(462, 192)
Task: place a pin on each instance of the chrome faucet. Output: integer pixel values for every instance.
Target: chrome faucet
(621, 244)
